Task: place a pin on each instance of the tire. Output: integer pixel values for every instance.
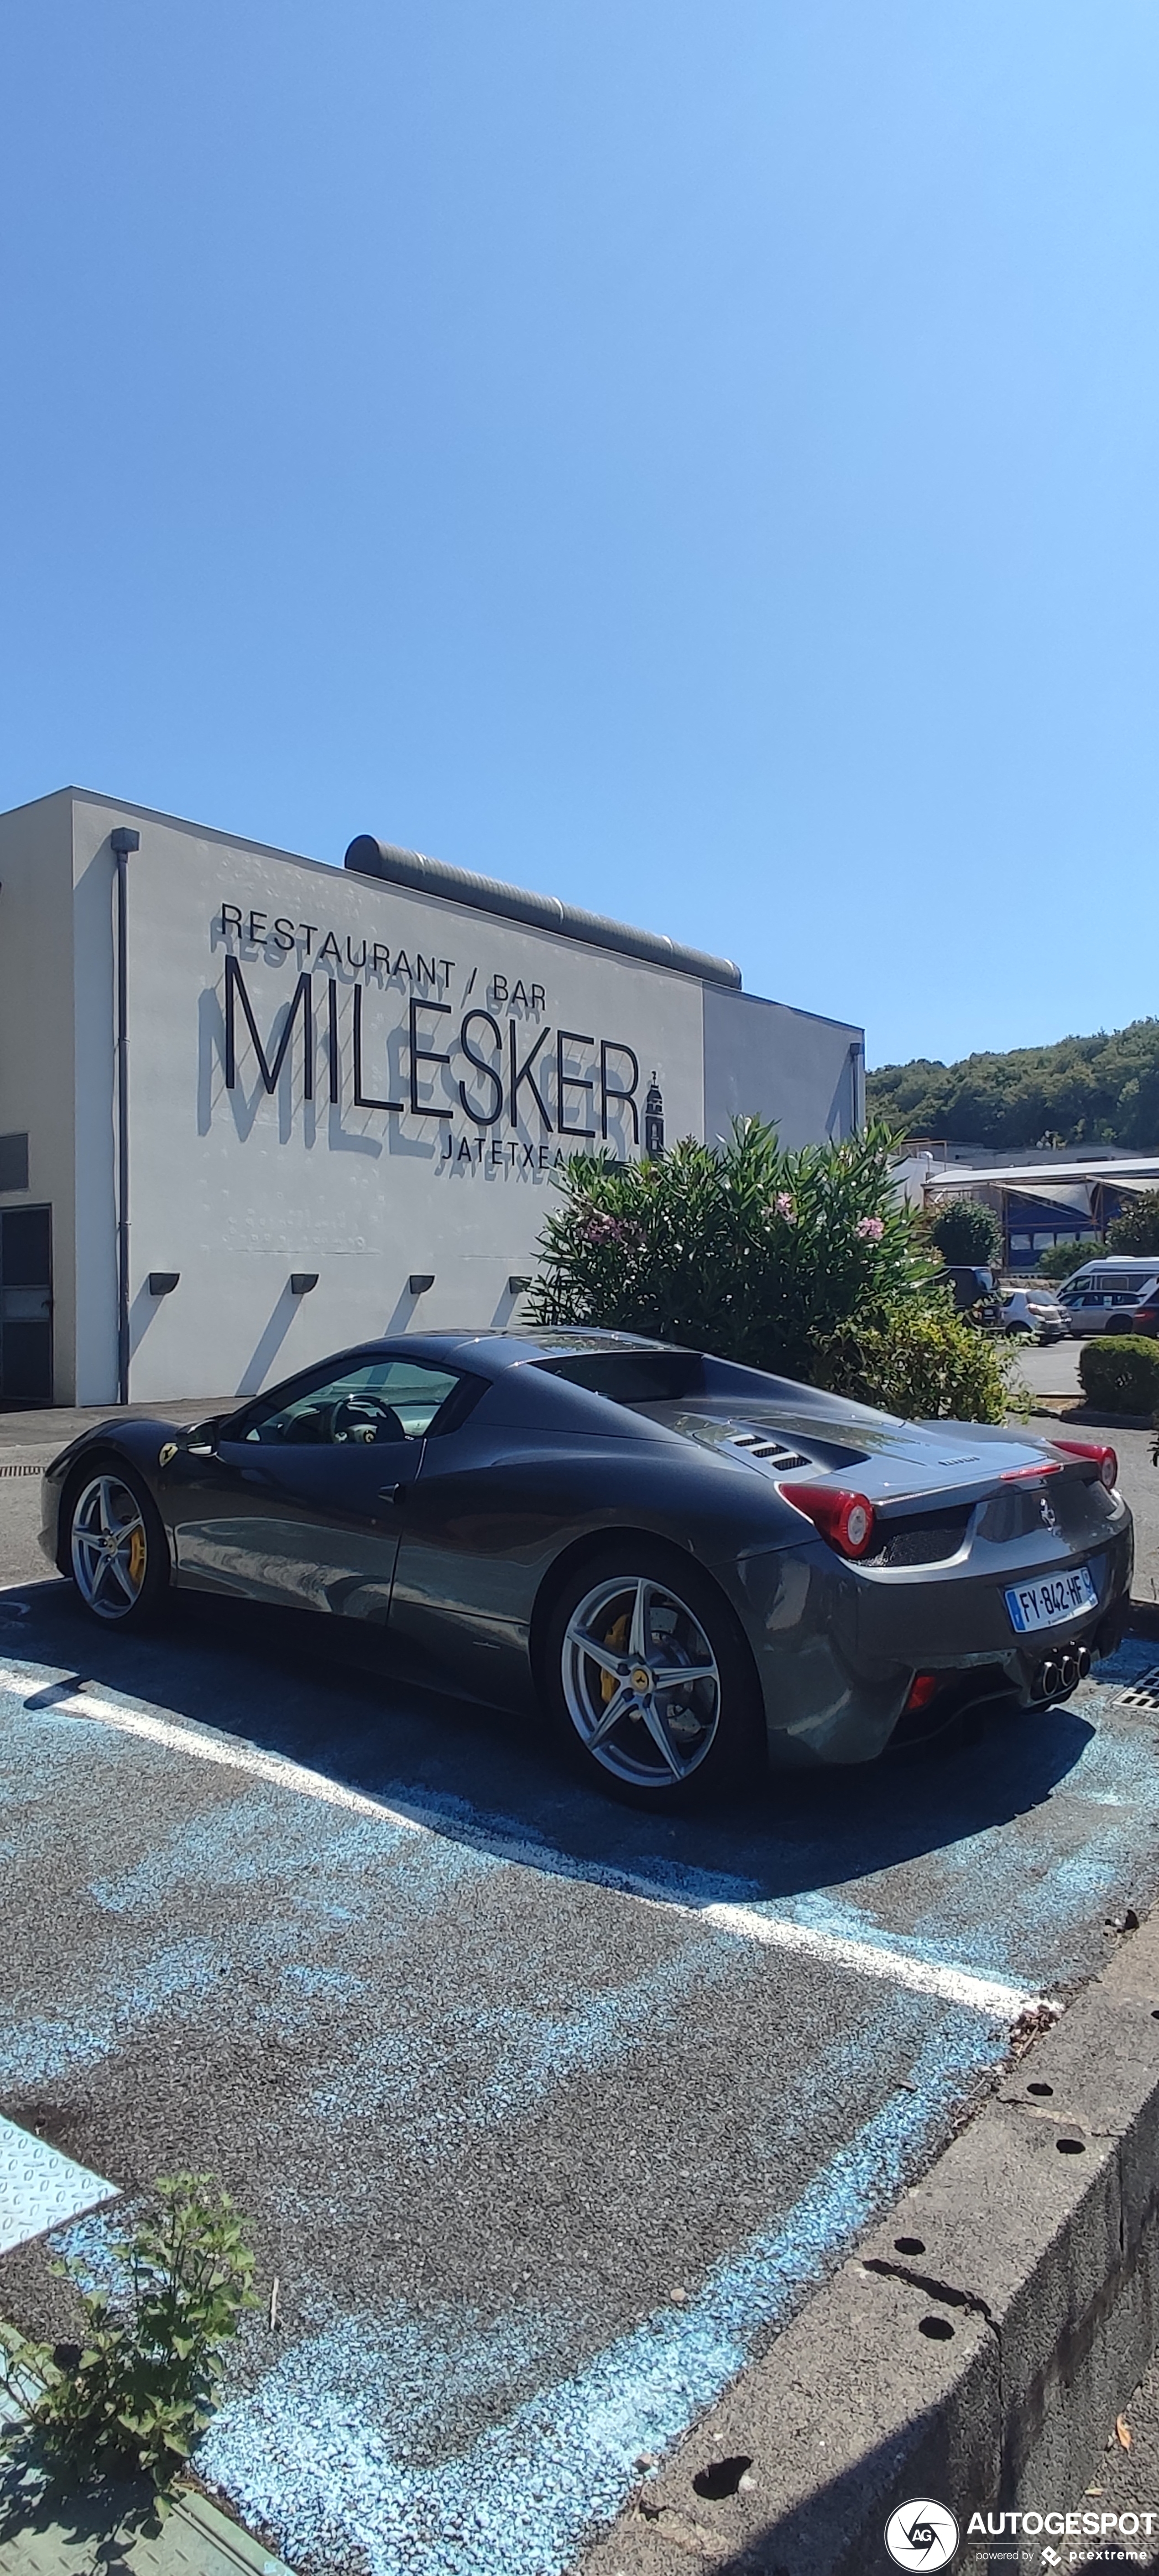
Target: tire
(643, 1610)
(117, 1551)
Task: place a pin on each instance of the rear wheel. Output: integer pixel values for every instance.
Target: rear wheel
(116, 1545)
(649, 1682)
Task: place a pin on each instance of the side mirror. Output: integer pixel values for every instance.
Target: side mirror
(202, 1437)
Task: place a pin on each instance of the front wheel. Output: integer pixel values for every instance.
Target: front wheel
(649, 1681)
(117, 1551)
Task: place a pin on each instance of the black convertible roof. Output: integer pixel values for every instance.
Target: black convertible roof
(506, 1346)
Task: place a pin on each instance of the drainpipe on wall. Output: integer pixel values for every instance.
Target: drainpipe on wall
(121, 842)
(857, 1083)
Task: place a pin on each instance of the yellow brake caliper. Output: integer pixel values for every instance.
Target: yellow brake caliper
(137, 1557)
(617, 1638)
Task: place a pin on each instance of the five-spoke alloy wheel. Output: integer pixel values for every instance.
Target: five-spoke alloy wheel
(650, 1680)
(116, 1548)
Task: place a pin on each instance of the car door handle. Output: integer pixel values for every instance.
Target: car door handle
(392, 1494)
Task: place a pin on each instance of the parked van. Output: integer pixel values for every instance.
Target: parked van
(1103, 1288)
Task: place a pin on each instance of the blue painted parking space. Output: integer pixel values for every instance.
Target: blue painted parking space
(546, 2113)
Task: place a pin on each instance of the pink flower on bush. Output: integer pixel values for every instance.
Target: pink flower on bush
(870, 1229)
(785, 1206)
(597, 1227)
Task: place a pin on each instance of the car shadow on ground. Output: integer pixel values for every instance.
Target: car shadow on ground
(322, 1695)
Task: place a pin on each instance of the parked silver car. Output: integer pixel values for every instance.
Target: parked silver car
(1104, 1288)
(1030, 1310)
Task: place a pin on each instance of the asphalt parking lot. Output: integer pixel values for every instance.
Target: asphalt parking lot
(1051, 1369)
(546, 2114)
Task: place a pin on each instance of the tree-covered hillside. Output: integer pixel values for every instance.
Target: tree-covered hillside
(1082, 1091)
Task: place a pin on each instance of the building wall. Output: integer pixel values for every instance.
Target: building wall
(235, 1187)
(37, 1073)
(258, 1149)
(764, 1059)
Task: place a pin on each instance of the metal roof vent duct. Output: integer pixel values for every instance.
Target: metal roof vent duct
(371, 858)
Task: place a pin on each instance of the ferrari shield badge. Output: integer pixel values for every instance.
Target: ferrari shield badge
(169, 1451)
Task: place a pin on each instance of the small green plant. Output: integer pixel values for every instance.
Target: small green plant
(144, 2383)
(1121, 1371)
(964, 1230)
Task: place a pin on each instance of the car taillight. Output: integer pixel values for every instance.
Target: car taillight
(844, 1518)
(1105, 1458)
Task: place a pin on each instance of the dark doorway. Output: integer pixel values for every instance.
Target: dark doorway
(26, 1306)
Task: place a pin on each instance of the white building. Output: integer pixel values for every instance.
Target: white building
(255, 1108)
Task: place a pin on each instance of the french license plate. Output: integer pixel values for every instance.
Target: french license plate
(1048, 1604)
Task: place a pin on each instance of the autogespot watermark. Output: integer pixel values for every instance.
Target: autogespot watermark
(925, 2534)
(922, 2534)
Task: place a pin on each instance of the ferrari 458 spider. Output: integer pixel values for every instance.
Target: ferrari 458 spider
(689, 1567)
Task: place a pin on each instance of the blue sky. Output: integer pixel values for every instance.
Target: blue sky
(700, 460)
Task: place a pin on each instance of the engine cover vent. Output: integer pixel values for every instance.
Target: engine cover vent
(756, 1444)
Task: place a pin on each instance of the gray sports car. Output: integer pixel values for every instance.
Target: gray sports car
(690, 1567)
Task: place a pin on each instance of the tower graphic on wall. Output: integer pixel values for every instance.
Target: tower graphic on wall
(654, 1119)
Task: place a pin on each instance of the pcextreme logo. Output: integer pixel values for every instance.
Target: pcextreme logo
(922, 2534)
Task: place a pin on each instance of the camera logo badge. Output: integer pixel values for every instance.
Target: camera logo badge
(922, 2534)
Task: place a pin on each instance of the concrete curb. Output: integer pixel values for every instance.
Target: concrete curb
(975, 2350)
(195, 2540)
(1090, 1417)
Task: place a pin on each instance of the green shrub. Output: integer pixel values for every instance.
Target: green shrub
(926, 1363)
(805, 1263)
(1121, 1372)
(738, 1248)
(1137, 1229)
(145, 2381)
(1059, 1259)
(964, 1230)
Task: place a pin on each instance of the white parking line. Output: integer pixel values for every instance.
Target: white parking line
(952, 1984)
(922, 1976)
(79, 1701)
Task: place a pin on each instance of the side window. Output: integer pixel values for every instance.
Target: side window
(380, 1401)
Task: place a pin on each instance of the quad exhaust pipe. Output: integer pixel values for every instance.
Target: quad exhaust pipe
(1060, 1674)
